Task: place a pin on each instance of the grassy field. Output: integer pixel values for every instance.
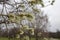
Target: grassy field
(8, 38)
(1, 38)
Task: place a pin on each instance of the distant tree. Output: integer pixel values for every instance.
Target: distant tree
(58, 34)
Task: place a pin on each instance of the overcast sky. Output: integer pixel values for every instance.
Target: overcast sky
(53, 13)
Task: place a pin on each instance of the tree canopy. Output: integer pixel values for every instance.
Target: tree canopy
(26, 14)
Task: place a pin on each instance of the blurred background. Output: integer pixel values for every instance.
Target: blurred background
(53, 13)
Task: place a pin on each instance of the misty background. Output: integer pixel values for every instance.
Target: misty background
(53, 13)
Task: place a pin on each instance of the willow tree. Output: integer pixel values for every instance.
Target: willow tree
(31, 7)
(27, 14)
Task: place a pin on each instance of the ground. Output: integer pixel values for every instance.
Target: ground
(1, 38)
